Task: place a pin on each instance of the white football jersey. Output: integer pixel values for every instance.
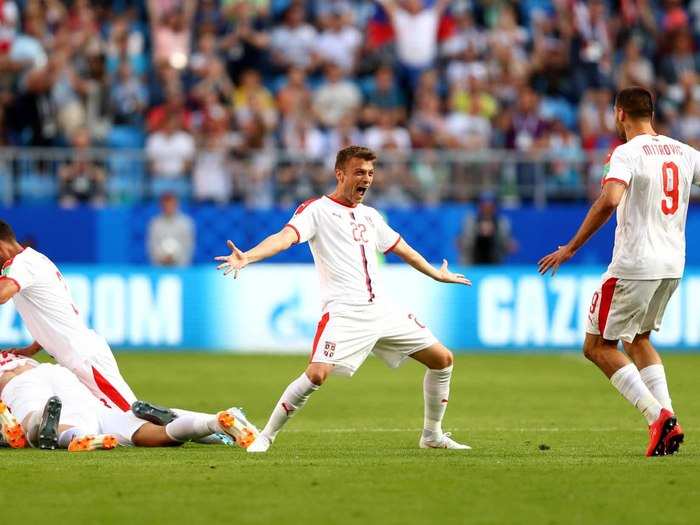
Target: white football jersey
(650, 235)
(10, 361)
(344, 242)
(46, 307)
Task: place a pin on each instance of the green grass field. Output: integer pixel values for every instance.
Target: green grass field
(351, 455)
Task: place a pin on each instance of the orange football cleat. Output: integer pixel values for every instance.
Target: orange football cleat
(234, 423)
(658, 431)
(88, 443)
(11, 429)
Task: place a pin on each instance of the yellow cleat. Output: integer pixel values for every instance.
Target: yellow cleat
(234, 423)
(88, 443)
(11, 429)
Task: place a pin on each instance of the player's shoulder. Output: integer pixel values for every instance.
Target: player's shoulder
(309, 204)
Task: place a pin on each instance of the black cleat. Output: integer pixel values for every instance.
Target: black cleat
(155, 414)
(48, 429)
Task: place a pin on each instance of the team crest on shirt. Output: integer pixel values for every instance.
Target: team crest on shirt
(329, 349)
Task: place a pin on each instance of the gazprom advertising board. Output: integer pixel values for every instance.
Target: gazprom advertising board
(275, 308)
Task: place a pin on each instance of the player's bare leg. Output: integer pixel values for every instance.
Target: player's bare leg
(293, 399)
(625, 377)
(161, 416)
(651, 369)
(436, 393)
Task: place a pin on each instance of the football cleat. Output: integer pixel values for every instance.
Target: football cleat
(155, 414)
(443, 441)
(11, 429)
(658, 431)
(674, 439)
(48, 428)
(262, 444)
(98, 442)
(234, 423)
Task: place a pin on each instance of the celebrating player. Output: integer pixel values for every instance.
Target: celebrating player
(58, 411)
(648, 180)
(344, 236)
(43, 300)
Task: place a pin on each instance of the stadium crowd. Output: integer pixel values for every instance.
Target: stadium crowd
(215, 89)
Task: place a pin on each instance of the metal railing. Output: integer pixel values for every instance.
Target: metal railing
(269, 178)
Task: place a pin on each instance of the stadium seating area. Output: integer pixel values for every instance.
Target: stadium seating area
(247, 100)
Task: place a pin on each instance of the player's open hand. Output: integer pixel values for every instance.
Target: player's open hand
(446, 276)
(554, 260)
(234, 262)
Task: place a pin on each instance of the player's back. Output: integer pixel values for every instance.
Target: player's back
(45, 305)
(650, 234)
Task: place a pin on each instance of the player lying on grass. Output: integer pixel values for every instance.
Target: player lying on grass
(648, 181)
(43, 300)
(358, 318)
(50, 408)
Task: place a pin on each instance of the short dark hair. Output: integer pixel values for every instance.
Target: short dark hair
(353, 152)
(637, 102)
(6, 232)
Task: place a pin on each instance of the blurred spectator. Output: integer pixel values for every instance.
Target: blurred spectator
(387, 135)
(340, 41)
(486, 236)
(596, 119)
(293, 43)
(247, 36)
(252, 100)
(171, 29)
(211, 175)
(527, 127)
(125, 45)
(171, 235)
(301, 136)
(416, 29)
(335, 97)
(82, 180)
(470, 131)
(344, 134)
(383, 94)
(129, 97)
(170, 153)
(635, 69)
(294, 96)
(427, 126)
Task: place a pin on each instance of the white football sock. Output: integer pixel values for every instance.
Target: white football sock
(293, 398)
(654, 377)
(206, 440)
(436, 393)
(31, 427)
(629, 383)
(67, 436)
(188, 427)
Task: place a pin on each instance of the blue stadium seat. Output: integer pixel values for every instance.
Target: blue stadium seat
(37, 187)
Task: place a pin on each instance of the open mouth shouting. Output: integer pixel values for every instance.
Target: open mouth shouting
(360, 191)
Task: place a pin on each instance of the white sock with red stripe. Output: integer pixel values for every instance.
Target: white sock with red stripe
(188, 427)
(293, 398)
(654, 377)
(629, 383)
(436, 393)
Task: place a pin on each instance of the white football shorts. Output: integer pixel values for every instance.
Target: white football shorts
(99, 372)
(623, 308)
(346, 337)
(30, 391)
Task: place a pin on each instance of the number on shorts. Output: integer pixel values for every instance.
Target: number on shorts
(594, 303)
(669, 178)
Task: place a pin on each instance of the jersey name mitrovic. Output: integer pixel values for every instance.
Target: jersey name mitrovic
(45, 305)
(344, 242)
(650, 235)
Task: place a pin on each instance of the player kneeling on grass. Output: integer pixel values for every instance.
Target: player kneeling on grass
(648, 181)
(344, 236)
(46, 406)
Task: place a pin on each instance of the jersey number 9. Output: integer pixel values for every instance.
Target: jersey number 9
(669, 178)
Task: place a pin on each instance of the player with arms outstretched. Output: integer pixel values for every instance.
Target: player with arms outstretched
(344, 236)
(43, 300)
(648, 180)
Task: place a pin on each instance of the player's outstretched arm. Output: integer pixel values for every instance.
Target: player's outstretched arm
(599, 214)
(8, 289)
(272, 245)
(417, 261)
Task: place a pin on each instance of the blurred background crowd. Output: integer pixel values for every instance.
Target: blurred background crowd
(248, 100)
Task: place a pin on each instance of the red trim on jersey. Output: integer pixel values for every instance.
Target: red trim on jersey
(612, 179)
(393, 246)
(111, 392)
(342, 203)
(368, 280)
(295, 231)
(305, 205)
(606, 292)
(319, 331)
(19, 288)
(8, 262)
